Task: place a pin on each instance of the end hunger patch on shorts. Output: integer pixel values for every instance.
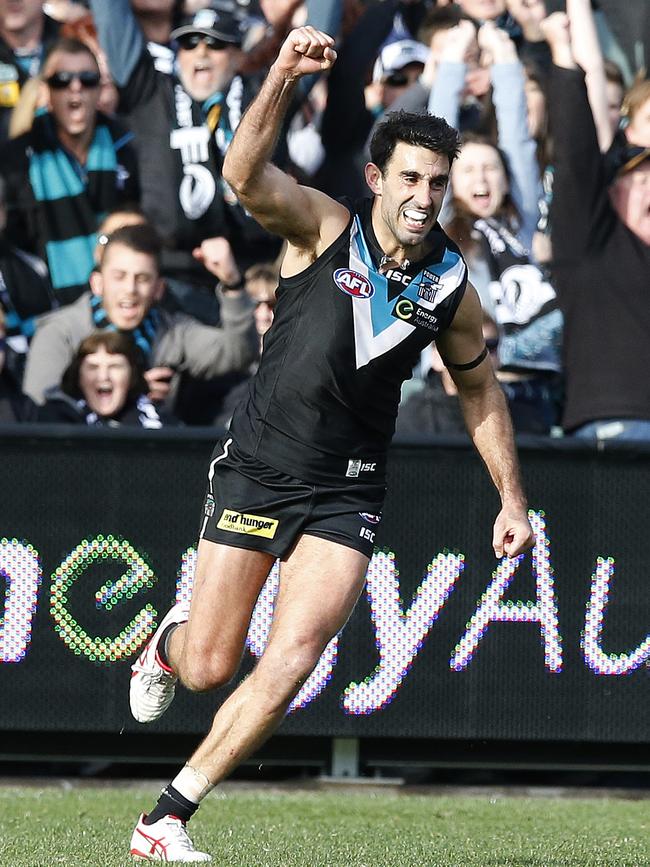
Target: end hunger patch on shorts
(252, 525)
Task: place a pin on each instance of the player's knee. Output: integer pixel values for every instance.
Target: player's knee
(201, 673)
(287, 668)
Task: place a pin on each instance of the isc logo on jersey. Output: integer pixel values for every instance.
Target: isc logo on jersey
(353, 283)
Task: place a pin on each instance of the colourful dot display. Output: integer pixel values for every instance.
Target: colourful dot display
(491, 607)
(20, 567)
(595, 657)
(399, 635)
(137, 576)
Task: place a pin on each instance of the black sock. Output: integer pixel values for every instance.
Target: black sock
(172, 803)
(162, 644)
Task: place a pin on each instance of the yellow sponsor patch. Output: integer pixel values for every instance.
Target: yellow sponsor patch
(252, 525)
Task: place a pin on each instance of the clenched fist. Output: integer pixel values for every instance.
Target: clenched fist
(305, 51)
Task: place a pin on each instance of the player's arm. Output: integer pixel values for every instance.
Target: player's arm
(463, 350)
(308, 219)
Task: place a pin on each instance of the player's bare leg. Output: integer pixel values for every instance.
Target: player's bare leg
(207, 650)
(320, 583)
(227, 583)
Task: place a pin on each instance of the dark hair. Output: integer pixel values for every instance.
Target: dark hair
(424, 130)
(141, 238)
(115, 343)
(66, 45)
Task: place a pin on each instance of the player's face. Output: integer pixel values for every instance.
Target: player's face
(73, 105)
(479, 180)
(128, 284)
(630, 196)
(410, 192)
(204, 71)
(104, 379)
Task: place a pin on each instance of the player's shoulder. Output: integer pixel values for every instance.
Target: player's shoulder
(331, 216)
(326, 206)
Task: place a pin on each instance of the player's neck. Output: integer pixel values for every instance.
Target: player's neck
(396, 255)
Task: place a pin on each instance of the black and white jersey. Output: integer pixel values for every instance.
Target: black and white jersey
(323, 403)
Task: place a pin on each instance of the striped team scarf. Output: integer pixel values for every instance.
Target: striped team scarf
(143, 335)
(73, 200)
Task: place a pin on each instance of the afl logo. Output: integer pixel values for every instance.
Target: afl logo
(353, 283)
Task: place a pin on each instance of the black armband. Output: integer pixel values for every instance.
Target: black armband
(470, 364)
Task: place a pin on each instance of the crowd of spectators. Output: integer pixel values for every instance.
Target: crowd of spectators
(135, 289)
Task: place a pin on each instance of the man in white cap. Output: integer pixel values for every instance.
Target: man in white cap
(398, 66)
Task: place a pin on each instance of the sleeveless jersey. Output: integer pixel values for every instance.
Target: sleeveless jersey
(323, 403)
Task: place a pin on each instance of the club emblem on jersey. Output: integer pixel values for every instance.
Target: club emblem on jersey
(353, 283)
(429, 286)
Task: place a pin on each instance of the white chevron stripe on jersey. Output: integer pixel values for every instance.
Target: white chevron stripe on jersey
(369, 345)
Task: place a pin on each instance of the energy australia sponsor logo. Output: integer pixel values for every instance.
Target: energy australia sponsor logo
(414, 314)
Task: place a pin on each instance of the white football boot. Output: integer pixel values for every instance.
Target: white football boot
(152, 683)
(165, 840)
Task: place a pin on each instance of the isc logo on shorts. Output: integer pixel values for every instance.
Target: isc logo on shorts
(355, 467)
(251, 525)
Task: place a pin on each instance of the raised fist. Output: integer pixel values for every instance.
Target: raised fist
(305, 51)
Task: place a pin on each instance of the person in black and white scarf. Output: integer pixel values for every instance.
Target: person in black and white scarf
(104, 386)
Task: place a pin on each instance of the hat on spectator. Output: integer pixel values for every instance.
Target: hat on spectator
(633, 157)
(219, 20)
(396, 55)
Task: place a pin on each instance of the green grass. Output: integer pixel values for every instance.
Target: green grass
(91, 827)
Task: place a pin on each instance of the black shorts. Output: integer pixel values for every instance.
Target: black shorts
(250, 505)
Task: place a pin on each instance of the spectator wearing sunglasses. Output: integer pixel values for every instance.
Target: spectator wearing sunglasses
(26, 34)
(184, 123)
(70, 169)
(398, 66)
